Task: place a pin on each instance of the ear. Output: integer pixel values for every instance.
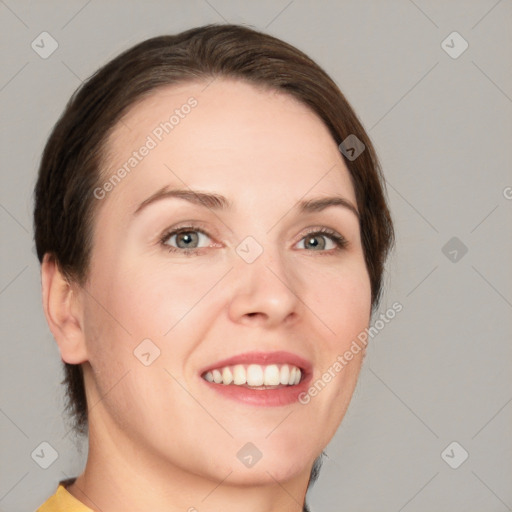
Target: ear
(63, 308)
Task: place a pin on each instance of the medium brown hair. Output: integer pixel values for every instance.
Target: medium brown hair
(75, 153)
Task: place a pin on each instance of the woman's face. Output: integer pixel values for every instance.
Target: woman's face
(246, 276)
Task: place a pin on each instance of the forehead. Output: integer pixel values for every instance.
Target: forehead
(226, 135)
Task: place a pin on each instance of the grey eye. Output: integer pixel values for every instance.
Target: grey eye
(185, 239)
(317, 242)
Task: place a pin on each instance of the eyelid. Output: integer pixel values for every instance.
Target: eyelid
(187, 226)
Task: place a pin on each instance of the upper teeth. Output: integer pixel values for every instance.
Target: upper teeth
(255, 375)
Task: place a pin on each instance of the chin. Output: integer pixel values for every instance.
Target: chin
(274, 464)
(268, 474)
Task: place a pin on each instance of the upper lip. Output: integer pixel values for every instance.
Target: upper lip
(263, 358)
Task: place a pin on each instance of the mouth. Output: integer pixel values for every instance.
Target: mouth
(272, 378)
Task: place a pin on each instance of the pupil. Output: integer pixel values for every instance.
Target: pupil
(313, 241)
(187, 238)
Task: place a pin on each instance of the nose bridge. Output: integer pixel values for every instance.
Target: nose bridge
(264, 282)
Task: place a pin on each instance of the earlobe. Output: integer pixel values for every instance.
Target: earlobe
(63, 309)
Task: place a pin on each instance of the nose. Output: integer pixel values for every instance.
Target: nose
(264, 291)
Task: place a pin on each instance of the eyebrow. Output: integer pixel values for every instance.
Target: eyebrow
(219, 202)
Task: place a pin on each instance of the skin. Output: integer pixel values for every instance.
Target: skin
(159, 438)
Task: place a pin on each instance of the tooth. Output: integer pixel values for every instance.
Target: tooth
(291, 379)
(298, 376)
(272, 375)
(284, 375)
(227, 376)
(254, 375)
(239, 377)
(217, 377)
(209, 377)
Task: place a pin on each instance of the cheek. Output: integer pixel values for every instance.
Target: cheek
(162, 296)
(127, 316)
(162, 303)
(343, 304)
(341, 298)
(146, 301)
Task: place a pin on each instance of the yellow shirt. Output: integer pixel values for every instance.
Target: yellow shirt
(63, 501)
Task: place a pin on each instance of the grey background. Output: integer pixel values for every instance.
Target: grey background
(440, 371)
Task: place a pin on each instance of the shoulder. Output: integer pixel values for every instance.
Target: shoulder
(63, 501)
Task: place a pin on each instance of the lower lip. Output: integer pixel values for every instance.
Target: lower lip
(285, 395)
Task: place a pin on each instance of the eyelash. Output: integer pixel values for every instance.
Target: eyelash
(340, 241)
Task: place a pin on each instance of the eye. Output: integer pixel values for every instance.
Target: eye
(184, 240)
(316, 240)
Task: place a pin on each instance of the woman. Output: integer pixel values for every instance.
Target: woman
(212, 229)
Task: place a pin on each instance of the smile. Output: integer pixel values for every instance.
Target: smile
(265, 379)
